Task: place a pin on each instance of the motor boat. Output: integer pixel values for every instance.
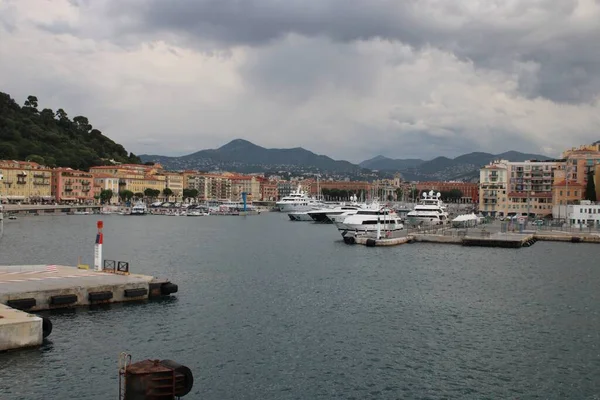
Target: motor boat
(431, 210)
(139, 209)
(298, 201)
(369, 221)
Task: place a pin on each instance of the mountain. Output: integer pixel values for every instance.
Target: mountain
(52, 139)
(382, 163)
(243, 156)
(464, 167)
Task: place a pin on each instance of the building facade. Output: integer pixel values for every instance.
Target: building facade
(518, 188)
(72, 186)
(210, 186)
(470, 191)
(268, 190)
(174, 181)
(106, 182)
(493, 188)
(244, 183)
(25, 181)
(583, 215)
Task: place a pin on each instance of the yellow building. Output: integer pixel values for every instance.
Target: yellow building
(24, 181)
(493, 189)
(174, 181)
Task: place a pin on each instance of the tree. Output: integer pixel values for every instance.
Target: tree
(106, 195)
(31, 103)
(167, 192)
(8, 151)
(36, 159)
(82, 123)
(126, 195)
(590, 188)
(139, 195)
(190, 193)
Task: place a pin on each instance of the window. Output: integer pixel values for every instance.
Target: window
(576, 193)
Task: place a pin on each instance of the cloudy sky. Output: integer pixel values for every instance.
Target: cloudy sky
(346, 78)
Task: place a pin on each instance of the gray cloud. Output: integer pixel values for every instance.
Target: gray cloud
(343, 78)
(559, 36)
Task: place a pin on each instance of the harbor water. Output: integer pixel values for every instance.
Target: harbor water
(272, 309)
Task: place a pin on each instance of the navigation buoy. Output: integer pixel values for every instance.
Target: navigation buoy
(98, 247)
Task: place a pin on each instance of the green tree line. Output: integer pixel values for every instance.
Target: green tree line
(51, 138)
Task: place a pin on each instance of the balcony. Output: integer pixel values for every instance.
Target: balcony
(85, 183)
(40, 175)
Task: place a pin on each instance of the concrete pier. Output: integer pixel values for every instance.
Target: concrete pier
(46, 287)
(19, 329)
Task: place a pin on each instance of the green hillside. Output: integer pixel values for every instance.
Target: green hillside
(50, 138)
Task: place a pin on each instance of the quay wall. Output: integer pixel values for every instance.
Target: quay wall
(19, 329)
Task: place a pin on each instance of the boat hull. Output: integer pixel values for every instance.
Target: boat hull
(299, 216)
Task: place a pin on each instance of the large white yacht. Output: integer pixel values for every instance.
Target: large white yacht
(370, 221)
(430, 210)
(298, 201)
(335, 216)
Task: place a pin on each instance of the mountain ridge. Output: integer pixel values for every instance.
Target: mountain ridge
(241, 155)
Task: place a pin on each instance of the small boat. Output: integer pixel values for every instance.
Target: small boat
(81, 213)
(12, 217)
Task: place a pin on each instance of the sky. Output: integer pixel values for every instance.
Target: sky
(351, 79)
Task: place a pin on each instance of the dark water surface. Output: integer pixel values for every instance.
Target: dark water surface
(269, 309)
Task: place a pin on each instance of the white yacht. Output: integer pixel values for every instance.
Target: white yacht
(430, 211)
(336, 217)
(298, 201)
(370, 221)
(139, 209)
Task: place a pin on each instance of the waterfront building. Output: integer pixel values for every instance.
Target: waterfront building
(357, 187)
(469, 190)
(106, 182)
(493, 188)
(530, 189)
(268, 190)
(210, 186)
(517, 188)
(174, 181)
(586, 214)
(72, 186)
(285, 188)
(244, 183)
(597, 182)
(25, 181)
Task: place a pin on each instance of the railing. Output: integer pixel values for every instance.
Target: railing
(116, 267)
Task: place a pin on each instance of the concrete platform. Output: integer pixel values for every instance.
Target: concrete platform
(19, 329)
(44, 287)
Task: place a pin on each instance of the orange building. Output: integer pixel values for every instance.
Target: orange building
(469, 190)
(567, 194)
(71, 185)
(268, 190)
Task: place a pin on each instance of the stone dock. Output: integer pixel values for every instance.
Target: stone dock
(506, 240)
(29, 288)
